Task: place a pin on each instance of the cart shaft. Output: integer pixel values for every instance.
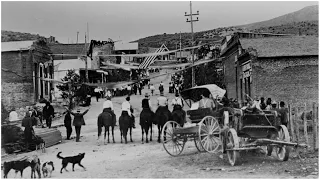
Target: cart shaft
(269, 141)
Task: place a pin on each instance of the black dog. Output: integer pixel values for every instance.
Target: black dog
(16, 165)
(71, 159)
(20, 165)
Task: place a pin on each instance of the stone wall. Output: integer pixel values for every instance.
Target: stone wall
(288, 79)
(16, 95)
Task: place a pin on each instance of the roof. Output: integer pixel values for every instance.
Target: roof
(195, 92)
(16, 45)
(125, 46)
(283, 46)
(67, 49)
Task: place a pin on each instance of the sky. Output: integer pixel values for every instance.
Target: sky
(131, 20)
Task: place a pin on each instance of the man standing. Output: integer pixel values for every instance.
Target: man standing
(48, 113)
(129, 90)
(28, 122)
(97, 93)
(78, 121)
(127, 110)
(152, 89)
(283, 114)
(140, 87)
(67, 124)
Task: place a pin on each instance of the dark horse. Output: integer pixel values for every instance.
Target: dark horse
(126, 123)
(178, 115)
(163, 115)
(107, 118)
(146, 117)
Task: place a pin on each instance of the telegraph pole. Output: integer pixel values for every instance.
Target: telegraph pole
(85, 58)
(77, 36)
(180, 45)
(192, 40)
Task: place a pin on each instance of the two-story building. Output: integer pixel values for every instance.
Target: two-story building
(25, 66)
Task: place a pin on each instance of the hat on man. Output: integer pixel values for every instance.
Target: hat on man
(78, 110)
(146, 95)
(274, 102)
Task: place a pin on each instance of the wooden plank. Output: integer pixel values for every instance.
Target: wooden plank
(296, 123)
(290, 118)
(305, 125)
(314, 127)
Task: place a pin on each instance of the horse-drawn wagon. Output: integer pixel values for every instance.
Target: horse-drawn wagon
(227, 130)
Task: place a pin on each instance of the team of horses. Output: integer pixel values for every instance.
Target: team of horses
(147, 119)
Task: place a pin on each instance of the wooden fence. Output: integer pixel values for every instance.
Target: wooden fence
(303, 124)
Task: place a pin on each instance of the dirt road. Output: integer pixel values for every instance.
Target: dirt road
(150, 160)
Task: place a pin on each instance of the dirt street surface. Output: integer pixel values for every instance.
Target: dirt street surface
(150, 160)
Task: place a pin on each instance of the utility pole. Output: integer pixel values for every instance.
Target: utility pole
(77, 36)
(180, 45)
(85, 58)
(192, 41)
(88, 32)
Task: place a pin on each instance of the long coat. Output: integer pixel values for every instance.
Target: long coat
(47, 111)
(78, 118)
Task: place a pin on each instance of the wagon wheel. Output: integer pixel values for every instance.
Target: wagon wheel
(283, 151)
(232, 141)
(198, 144)
(173, 144)
(209, 134)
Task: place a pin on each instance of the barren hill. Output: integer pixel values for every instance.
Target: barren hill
(309, 13)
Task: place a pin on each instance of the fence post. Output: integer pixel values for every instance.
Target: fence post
(290, 118)
(305, 125)
(296, 123)
(314, 126)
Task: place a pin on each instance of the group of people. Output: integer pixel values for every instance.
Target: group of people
(34, 117)
(257, 104)
(176, 84)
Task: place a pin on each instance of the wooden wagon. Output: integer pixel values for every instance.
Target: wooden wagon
(206, 130)
(227, 130)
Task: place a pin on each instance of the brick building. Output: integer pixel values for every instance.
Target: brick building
(230, 50)
(282, 68)
(24, 67)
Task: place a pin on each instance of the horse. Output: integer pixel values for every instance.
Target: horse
(107, 118)
(125, 122)
(146, 117)
(163, 115)
(178, 115)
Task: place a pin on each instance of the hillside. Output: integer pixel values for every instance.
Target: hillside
(18, 36)
(303, 22)
(309, 13)
(297, 28)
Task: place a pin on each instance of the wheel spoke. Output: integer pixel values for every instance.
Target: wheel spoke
(206, 130)
(213, 127)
